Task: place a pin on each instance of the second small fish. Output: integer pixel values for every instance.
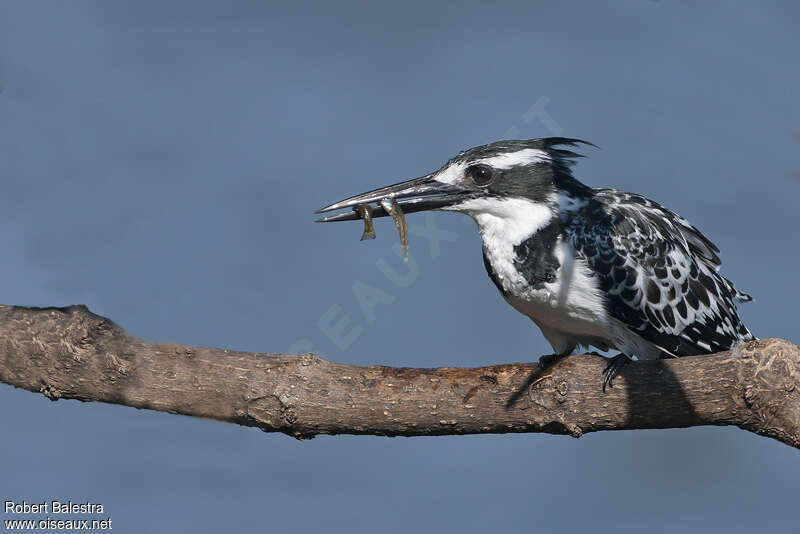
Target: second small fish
(393, 209)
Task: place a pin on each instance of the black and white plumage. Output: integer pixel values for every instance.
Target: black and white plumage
(591, 267)
(659, 276)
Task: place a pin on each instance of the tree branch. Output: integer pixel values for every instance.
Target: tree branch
(75, 354)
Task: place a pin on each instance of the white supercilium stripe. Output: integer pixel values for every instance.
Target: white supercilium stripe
(525, 156)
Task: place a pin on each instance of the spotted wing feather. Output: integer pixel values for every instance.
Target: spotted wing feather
(659, 273)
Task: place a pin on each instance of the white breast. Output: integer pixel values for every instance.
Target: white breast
(570, 310)
(571, 304)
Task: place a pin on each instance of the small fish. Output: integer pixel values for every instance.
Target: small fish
(393, 209)
(365, 212)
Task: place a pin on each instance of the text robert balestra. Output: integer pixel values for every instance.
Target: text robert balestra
(53, 507)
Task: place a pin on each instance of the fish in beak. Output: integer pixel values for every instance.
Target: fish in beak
(420, 194)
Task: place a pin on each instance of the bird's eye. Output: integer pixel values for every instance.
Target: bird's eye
(480, 174)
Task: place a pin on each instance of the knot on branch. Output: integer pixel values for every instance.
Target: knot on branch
(50, 392)
(271, 414)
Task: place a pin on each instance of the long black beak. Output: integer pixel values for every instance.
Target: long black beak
(422, 194)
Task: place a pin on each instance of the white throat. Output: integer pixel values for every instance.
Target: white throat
(507, 221)
(504, 224)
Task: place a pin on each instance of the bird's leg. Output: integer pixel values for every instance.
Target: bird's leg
(549, 359)
(613, 368)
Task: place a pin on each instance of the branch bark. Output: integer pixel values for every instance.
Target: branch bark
(72, 353)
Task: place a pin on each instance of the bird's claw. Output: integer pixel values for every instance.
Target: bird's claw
(549, 359)
(613, 369)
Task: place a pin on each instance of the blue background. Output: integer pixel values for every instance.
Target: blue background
(161, 162)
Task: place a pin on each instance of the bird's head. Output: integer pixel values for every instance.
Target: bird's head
(483, 180)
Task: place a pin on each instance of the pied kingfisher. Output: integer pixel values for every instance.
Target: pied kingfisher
(591, 267)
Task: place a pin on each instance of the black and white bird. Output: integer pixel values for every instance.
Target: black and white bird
(591, 267)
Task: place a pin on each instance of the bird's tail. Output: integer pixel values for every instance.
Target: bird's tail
(738, 296)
